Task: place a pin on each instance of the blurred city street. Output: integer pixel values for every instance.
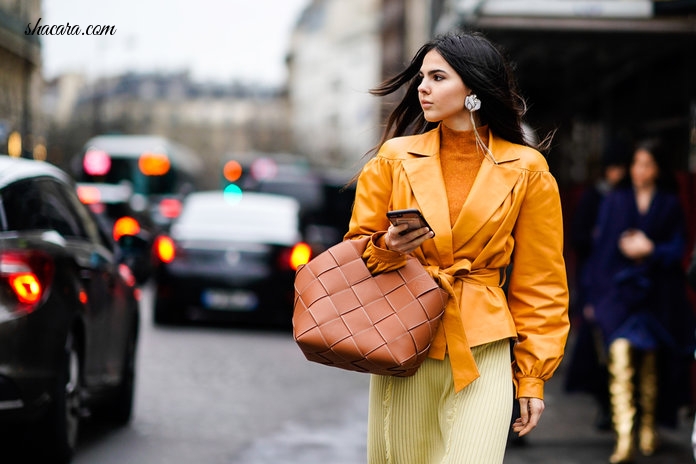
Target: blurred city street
(223, 395)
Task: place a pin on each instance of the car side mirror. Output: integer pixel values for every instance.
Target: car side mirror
(134, 251)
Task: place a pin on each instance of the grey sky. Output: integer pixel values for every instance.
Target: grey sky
(216, 40)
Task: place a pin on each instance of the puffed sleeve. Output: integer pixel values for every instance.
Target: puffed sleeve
(372, 200)
(538, 288)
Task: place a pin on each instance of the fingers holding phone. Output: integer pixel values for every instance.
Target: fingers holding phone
(408, 231)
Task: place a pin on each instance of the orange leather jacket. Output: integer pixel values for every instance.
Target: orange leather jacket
(512, 213)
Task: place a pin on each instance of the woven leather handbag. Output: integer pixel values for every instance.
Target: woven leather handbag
(347, 318)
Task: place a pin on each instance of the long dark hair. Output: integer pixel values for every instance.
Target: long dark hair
(481, 67)
(660, 153)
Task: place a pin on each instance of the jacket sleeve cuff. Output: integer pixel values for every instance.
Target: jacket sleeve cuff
(530, 387)
(379, 259)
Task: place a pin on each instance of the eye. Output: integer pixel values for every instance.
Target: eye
(438, 77)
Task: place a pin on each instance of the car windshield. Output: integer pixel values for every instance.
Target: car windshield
(253, 218)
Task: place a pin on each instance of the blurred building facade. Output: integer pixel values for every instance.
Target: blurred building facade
(213, 119)
(20, 79)
(339, 50)
(334, 58)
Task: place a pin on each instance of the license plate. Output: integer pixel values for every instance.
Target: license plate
(230, 300)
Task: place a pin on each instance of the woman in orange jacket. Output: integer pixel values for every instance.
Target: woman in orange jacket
(454, 148)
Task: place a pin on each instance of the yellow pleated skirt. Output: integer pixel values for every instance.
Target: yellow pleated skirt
(421, 420)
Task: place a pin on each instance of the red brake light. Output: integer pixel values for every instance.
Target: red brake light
(28, 275)
(165, 249)
(88, 194)
(296, 256)
(125, 225)
(154, 164)
(26, 286)
(170, 208)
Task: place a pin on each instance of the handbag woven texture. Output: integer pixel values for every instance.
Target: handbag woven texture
(347, 318)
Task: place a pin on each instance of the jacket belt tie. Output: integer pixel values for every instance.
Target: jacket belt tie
(454, 341)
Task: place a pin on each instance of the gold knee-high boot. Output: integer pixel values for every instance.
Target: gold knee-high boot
(647, 433)
(623, 409)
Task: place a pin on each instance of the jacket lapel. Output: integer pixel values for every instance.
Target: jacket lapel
(424, 175)
(493, 183)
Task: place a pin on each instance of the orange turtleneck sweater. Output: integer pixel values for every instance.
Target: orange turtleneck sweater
(460, 159)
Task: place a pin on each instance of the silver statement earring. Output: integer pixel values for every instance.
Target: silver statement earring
(472, 102)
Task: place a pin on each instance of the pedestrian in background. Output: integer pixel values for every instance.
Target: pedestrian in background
(454, 148)
(638, 298)
(587, 369)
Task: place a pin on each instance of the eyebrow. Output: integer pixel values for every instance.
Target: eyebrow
(433, 71)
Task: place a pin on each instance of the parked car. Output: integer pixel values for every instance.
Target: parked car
(230, 258)
(111, 206)
(68, 314)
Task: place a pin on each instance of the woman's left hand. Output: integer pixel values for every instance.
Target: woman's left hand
(530, 413)
(407, 242)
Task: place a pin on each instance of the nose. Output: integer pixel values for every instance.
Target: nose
(423, 87)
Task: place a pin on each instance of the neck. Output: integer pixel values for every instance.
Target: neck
(462, 122)
(644, 189)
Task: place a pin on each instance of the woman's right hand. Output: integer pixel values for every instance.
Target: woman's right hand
(409, 241)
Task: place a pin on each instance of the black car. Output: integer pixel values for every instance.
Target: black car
(68, 314)
(230, 257)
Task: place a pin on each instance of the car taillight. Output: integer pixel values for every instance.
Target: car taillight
(88, 194)
(26, 286)
(165, 249)
(170, 208)
(294, 257)
(27, 275)
(125, 225)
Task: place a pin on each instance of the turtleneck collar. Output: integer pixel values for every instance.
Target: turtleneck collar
(461, 141)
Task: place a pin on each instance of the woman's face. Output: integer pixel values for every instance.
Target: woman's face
(644, 169)
(442, 92)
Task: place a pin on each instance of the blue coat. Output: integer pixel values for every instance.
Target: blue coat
(645, 301)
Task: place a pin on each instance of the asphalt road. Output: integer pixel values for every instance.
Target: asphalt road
(218, 395)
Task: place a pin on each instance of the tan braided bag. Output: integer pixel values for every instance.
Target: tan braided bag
(347, 318)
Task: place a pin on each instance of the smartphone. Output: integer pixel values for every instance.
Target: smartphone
(412, 217)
